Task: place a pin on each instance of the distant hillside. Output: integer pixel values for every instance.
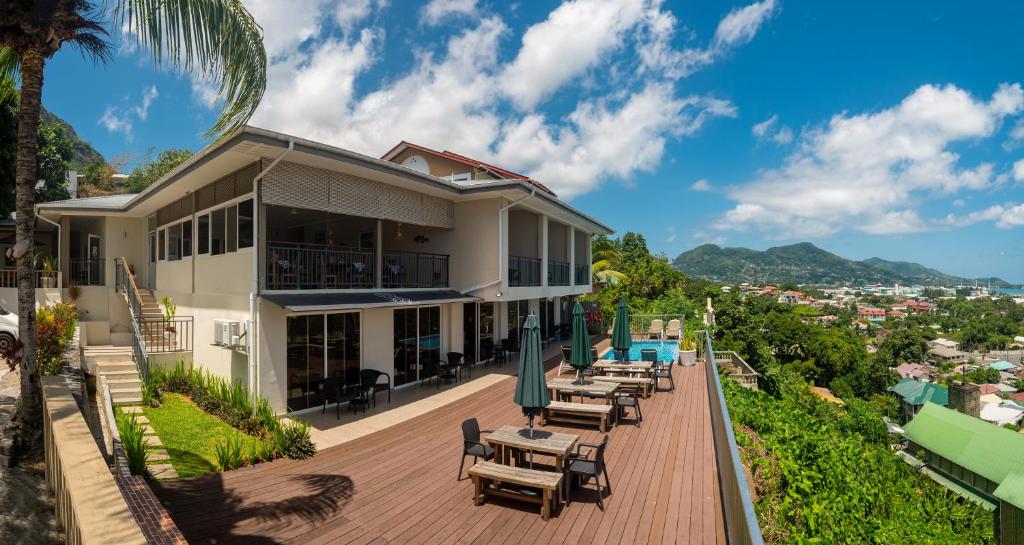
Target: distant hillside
(84, 153)
(805, 263)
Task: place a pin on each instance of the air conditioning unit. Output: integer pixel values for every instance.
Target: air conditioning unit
(227, 332)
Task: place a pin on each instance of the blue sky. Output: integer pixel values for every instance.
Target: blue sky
(889, 129)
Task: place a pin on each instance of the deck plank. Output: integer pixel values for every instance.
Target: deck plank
(397, 485)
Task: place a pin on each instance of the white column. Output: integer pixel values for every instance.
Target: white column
(572, 255)
(544, 250)
(378, 257)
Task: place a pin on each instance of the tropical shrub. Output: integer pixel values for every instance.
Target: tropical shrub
(823, 474)
(55, 327)
(231, 402)
(229, 453)
(133, 440)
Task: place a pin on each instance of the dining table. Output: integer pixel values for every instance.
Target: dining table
(572, 386)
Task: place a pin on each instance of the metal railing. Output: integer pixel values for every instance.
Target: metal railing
(582, 275)
(44, 279)
(414, 270)
(86, 272)
(316, 266)
(523, 271)
(741, 525)
(644, 326)
(160, 336)
(558, 273)
(124, 282)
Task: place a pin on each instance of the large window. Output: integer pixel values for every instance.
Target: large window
(417, 343)
(203, 234)
(245, 224)
(516, 314)
(186, 238)
(232, 228)
(320, 346)
(174, 242)
(161, 243)
(217, 240)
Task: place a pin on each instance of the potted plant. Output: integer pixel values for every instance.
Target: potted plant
(170, 309)
(49, 267)
(687, 350)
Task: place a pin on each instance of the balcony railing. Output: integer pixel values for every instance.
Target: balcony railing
(44, 279)
(86, 272)
(162, 336)
(741, 523)
(582, 277)
(315, 266)
(523, 271)
(414, 270)
(558, 273)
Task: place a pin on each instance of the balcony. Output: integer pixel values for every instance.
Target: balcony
(558, 273)
(414, 270)
(582, 275)
(523, 271)
(296, 266)
(44, 279)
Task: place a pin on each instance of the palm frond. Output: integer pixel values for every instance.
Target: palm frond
(218, 39)
(10, 64)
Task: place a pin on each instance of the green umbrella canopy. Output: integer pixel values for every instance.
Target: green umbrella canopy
(621, 337)
(580, 357)
(531, 386)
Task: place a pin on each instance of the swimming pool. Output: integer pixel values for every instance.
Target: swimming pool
(667, 350)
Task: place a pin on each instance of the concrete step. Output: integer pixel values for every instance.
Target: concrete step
(105, 367)
(125, 383)
(127, 401)
(115, 375)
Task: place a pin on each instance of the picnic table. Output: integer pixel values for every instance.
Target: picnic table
(639, 383)
(510, 442)
(644, 368)
(605, 389)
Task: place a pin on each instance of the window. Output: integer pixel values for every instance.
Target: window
(174, 242)
(204, 234)
(217, 242)
(186, 238)
(417, 343)
(232, 225)
(162, 244)
(245, 224)
(319, 346)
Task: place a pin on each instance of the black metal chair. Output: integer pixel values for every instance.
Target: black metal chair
(471, 445)
(458, 363)
(651, 355)
(664, 370)
(631, 399)
(582, 466)
(371, 379)
(500, 354)
(333, 393)
(359, 396)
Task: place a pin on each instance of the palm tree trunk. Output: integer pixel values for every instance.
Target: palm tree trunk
(28, 130)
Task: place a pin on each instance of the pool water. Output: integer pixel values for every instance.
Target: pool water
(667, 350)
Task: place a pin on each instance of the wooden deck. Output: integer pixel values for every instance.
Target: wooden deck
(398, 485)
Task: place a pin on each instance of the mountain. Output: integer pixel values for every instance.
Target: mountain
(84, 154)
(805, 263)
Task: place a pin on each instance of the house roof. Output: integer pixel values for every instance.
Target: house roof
(1001, 414)
(110, 202)
(990, 451)
(946, 352)
(826, 394)
(302, 302)
(462, 159)
(917, 393)
(1002, 365)
(988, 388)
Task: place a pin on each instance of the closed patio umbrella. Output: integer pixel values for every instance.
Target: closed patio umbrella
(579, 354)
(531, 386)
(622, 339)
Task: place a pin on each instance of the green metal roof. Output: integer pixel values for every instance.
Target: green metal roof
(915, 392)
(990, 451)
(1011, 490)
(1002, 365)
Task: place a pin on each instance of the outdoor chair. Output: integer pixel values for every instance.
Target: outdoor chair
(566, 354)
(359, 396)
(458, 363)
(583, 467)
(371, 379)
(500, 354)
(471, 445)
(443, 370)
(593, 353)
(631, 399)
(333, 394)
(509, 345)
(664, 370)
(651, 355)
(674, 329)
(656, 330)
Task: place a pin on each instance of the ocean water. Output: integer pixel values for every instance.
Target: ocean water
(667, 350)
(1008, 291)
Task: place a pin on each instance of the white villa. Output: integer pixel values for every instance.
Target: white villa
(291, 261)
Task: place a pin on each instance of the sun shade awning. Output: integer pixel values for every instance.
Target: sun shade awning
(300, 302)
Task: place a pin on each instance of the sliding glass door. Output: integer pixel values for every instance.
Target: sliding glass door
(319, 346)
(469, 331)
(417, 343)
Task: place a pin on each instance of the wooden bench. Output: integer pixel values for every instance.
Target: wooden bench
(488, 478)
(577, 413)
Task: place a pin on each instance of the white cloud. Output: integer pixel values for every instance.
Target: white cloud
(122, 118)
(738, 27)
(959, 203)
(1018, 170)
(572, 39)
(867, 171)
(1004, 216)
(348, 13)
(670, 234)
(439, 10)
(771, 130)
(701, 185)
(457, 96)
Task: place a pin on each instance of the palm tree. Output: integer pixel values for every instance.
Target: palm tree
(606, 262)
(218, 40)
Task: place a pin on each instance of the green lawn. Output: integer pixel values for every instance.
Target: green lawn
(189, 435)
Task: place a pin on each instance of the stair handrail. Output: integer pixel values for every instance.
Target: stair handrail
(125, 283)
